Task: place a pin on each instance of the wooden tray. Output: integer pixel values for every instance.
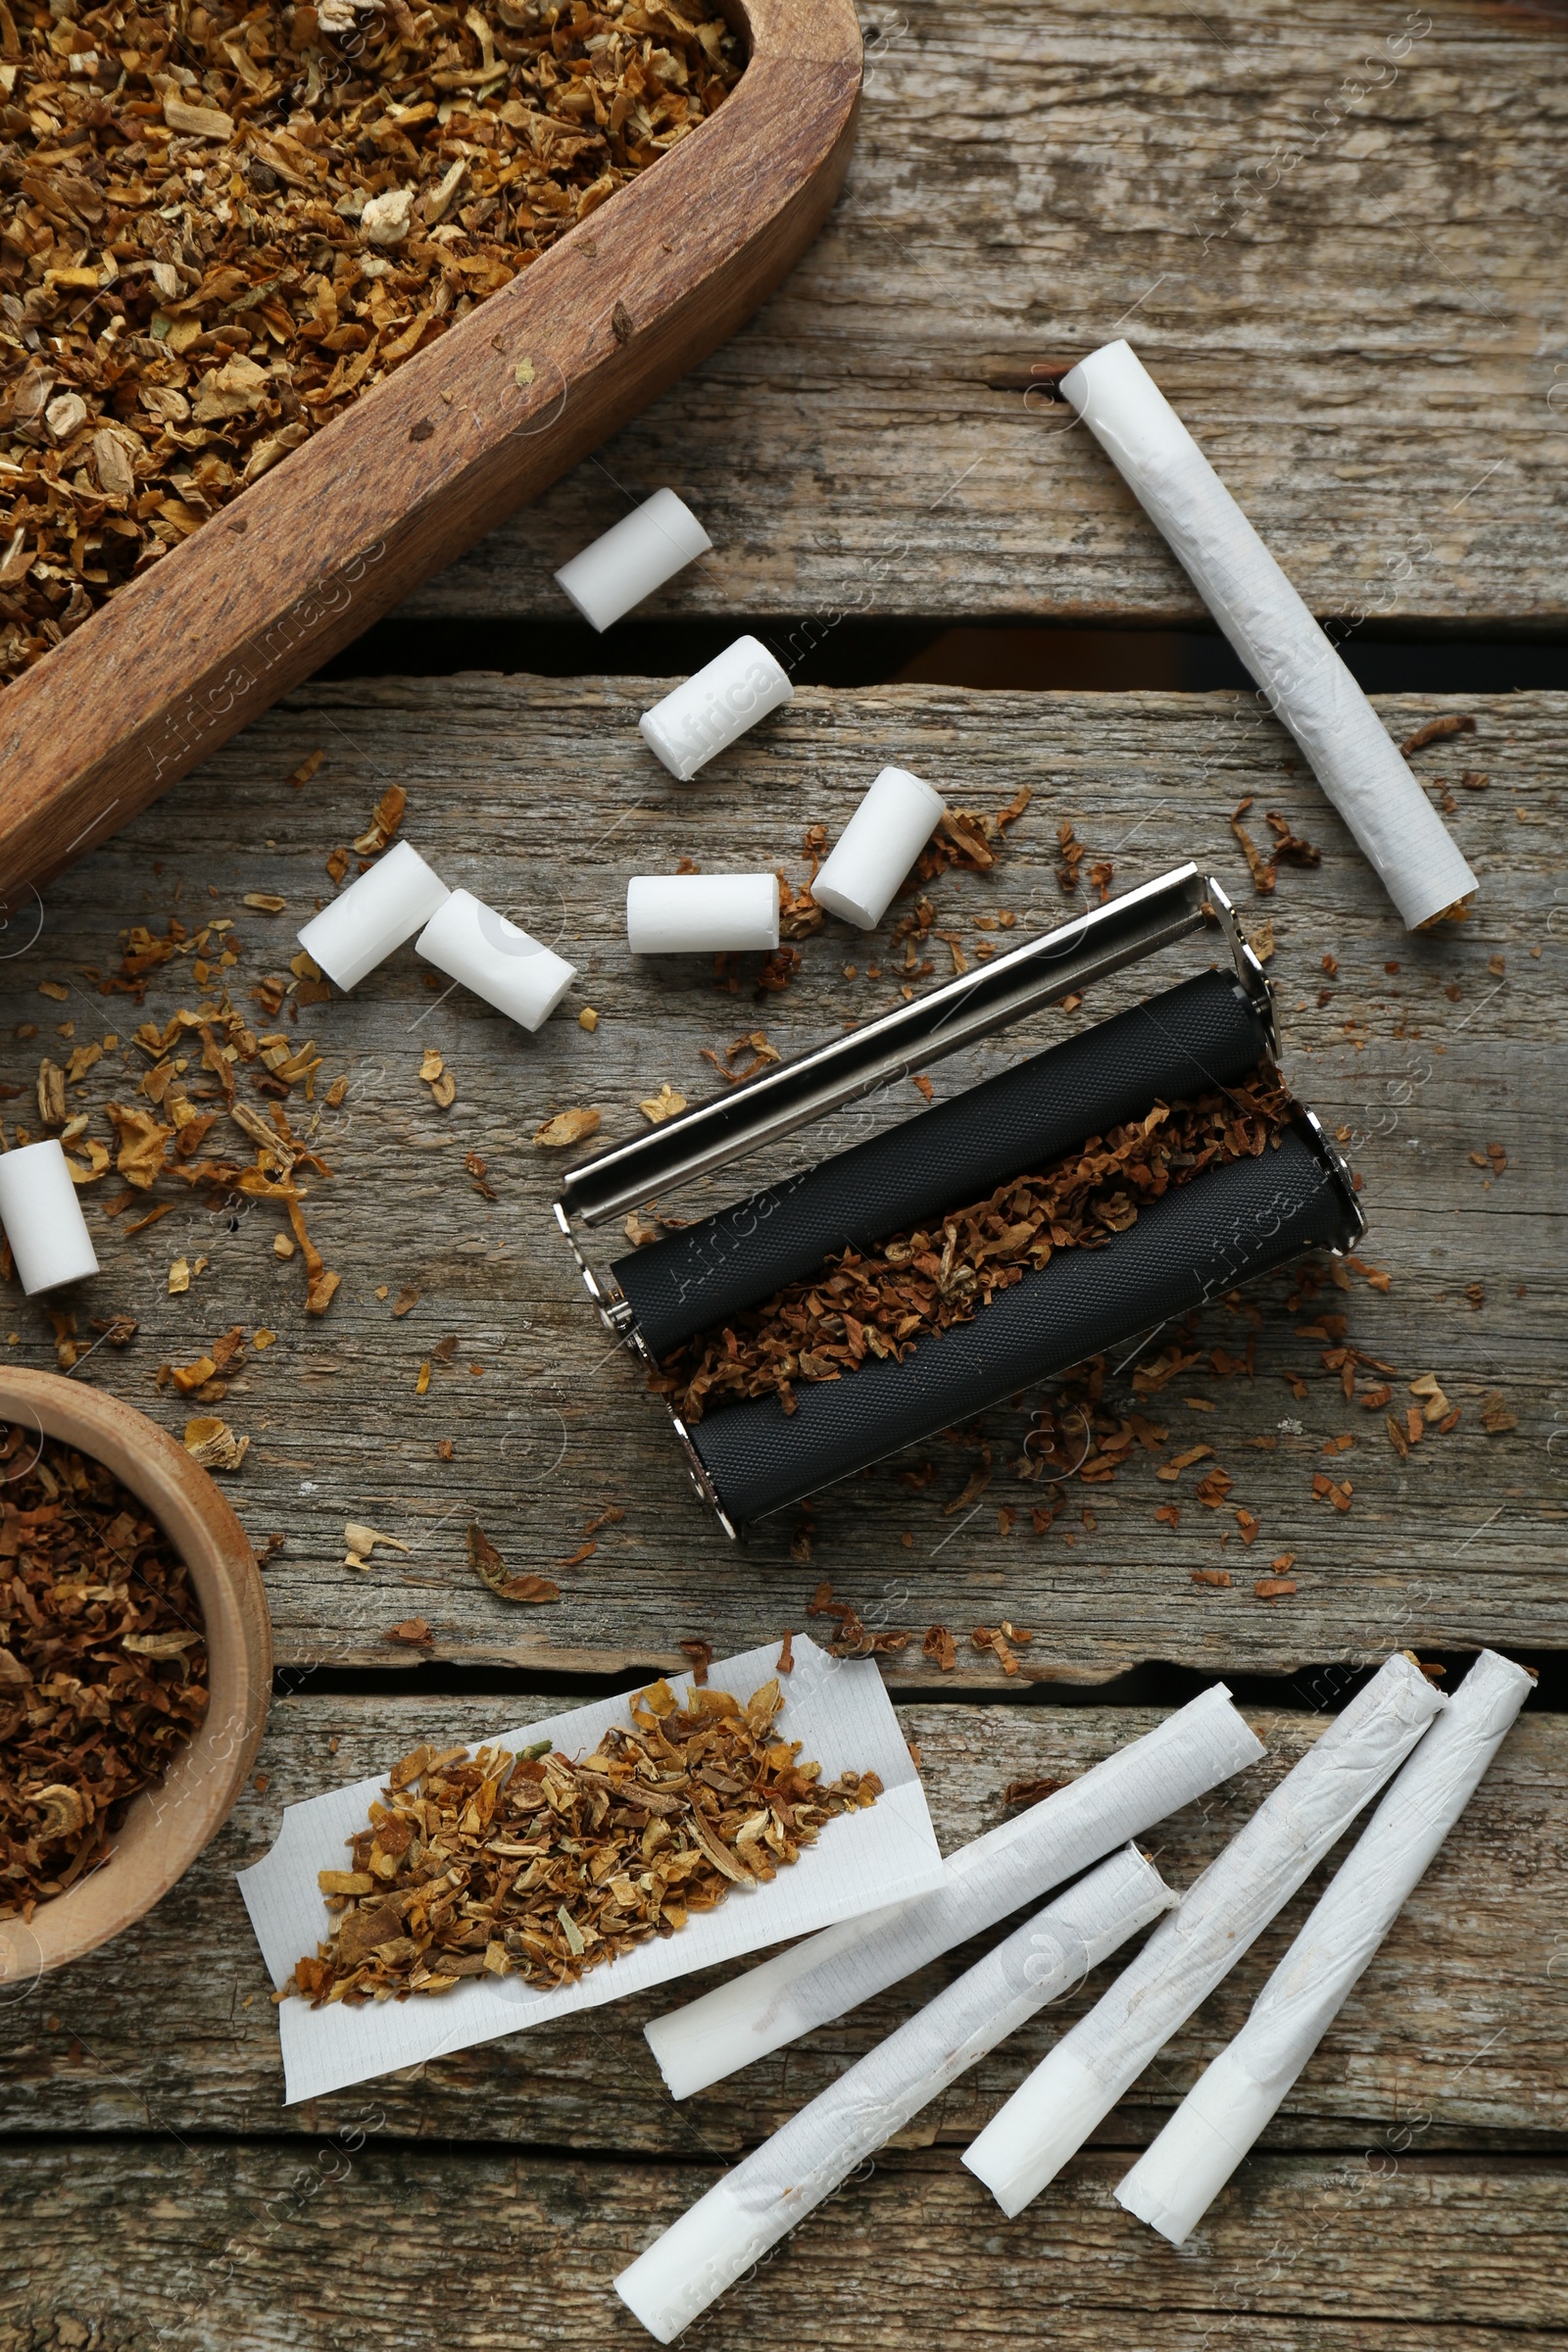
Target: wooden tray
(427, 463)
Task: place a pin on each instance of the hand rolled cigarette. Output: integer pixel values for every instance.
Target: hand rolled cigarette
(471, 942)
(701, 914)
(877, 848)
(1177, 2179)
(754, 2206)
(1076, 2086)
(42, 1217)
(1015, 1863)
(1303, 680)
(706, 715)
(370, 920)
(633, 557)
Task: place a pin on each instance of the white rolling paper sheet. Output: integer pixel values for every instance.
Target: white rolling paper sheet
(1076, 2086)
(839, 1708)
(1194, 1749)
(754, 2206)
(1175, 2181)
(1307, 685)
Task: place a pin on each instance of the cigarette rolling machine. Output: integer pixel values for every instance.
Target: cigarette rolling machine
(1201, 1238)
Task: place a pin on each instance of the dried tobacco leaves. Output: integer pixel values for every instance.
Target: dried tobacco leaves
(884, 1302)
(103, 1664)
(537, 1867)
(219, 224)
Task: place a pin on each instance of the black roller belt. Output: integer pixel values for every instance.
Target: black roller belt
(1197, 1241)
(1204, 1034)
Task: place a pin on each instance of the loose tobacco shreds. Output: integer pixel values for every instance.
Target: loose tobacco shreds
(103, 1664)
(886, 1300)
(537, 1867)
(220, 225)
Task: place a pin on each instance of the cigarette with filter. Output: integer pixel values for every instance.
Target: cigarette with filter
(1286, 653)
(1177, 2179)
(822, 1977)
(754, 2206)
(1076, 2086)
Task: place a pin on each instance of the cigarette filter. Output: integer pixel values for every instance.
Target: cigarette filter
(684, 914)
(42, 1217)
(713, 709)
(1052, 2113)
(369, 920)
(633, 557)
(877, 848)
(1307, 686)
(1231, 1221)
(1174, 2181)
(471, 942)
(757, 2204)
(829, 1974)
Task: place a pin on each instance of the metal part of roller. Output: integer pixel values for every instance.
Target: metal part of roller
(1200, 1239)
(1185, 1041)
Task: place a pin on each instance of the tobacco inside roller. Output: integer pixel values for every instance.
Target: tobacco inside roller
(1234, 1221)
(1202, 1034)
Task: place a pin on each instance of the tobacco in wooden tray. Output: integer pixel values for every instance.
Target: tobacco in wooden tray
(886, 1302)
(220, 225)
(538, 1866)
(103, 1664)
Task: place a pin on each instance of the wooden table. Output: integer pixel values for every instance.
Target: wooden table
(1353, 301)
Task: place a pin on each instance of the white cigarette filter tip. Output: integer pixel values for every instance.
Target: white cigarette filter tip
(1074, 2088)
(1177, 2179)
(706, 714)
(373, 918)
(633, 557)
(748, 2212)
(1301, 677)
(701, 914)
(471, 942)
(877, 848)
(42, 1217)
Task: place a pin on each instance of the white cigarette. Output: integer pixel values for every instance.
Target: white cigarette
(42, 1217)
(369, 920)
(1174, 2181)
(706, 715)
(471, 942)
(1076, 2086)
(1307, 686)
(877, 848)
(1015, 1863)
(683, 914)
(633, 557)
(754, 2206)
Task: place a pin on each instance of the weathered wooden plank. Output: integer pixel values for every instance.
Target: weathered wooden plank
(541, 794)
(1332, 234)
(205, 2247)
(1457, 2028)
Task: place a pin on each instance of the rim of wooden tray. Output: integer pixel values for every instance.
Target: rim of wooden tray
(165, 1827)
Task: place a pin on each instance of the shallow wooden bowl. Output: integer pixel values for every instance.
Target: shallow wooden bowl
(165, 1827)
(428, 462)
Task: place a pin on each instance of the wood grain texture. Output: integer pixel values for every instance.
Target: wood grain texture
(1457, 2031)
(1351, 302)
(408, 477)
(208, 2247)
(541, 796)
